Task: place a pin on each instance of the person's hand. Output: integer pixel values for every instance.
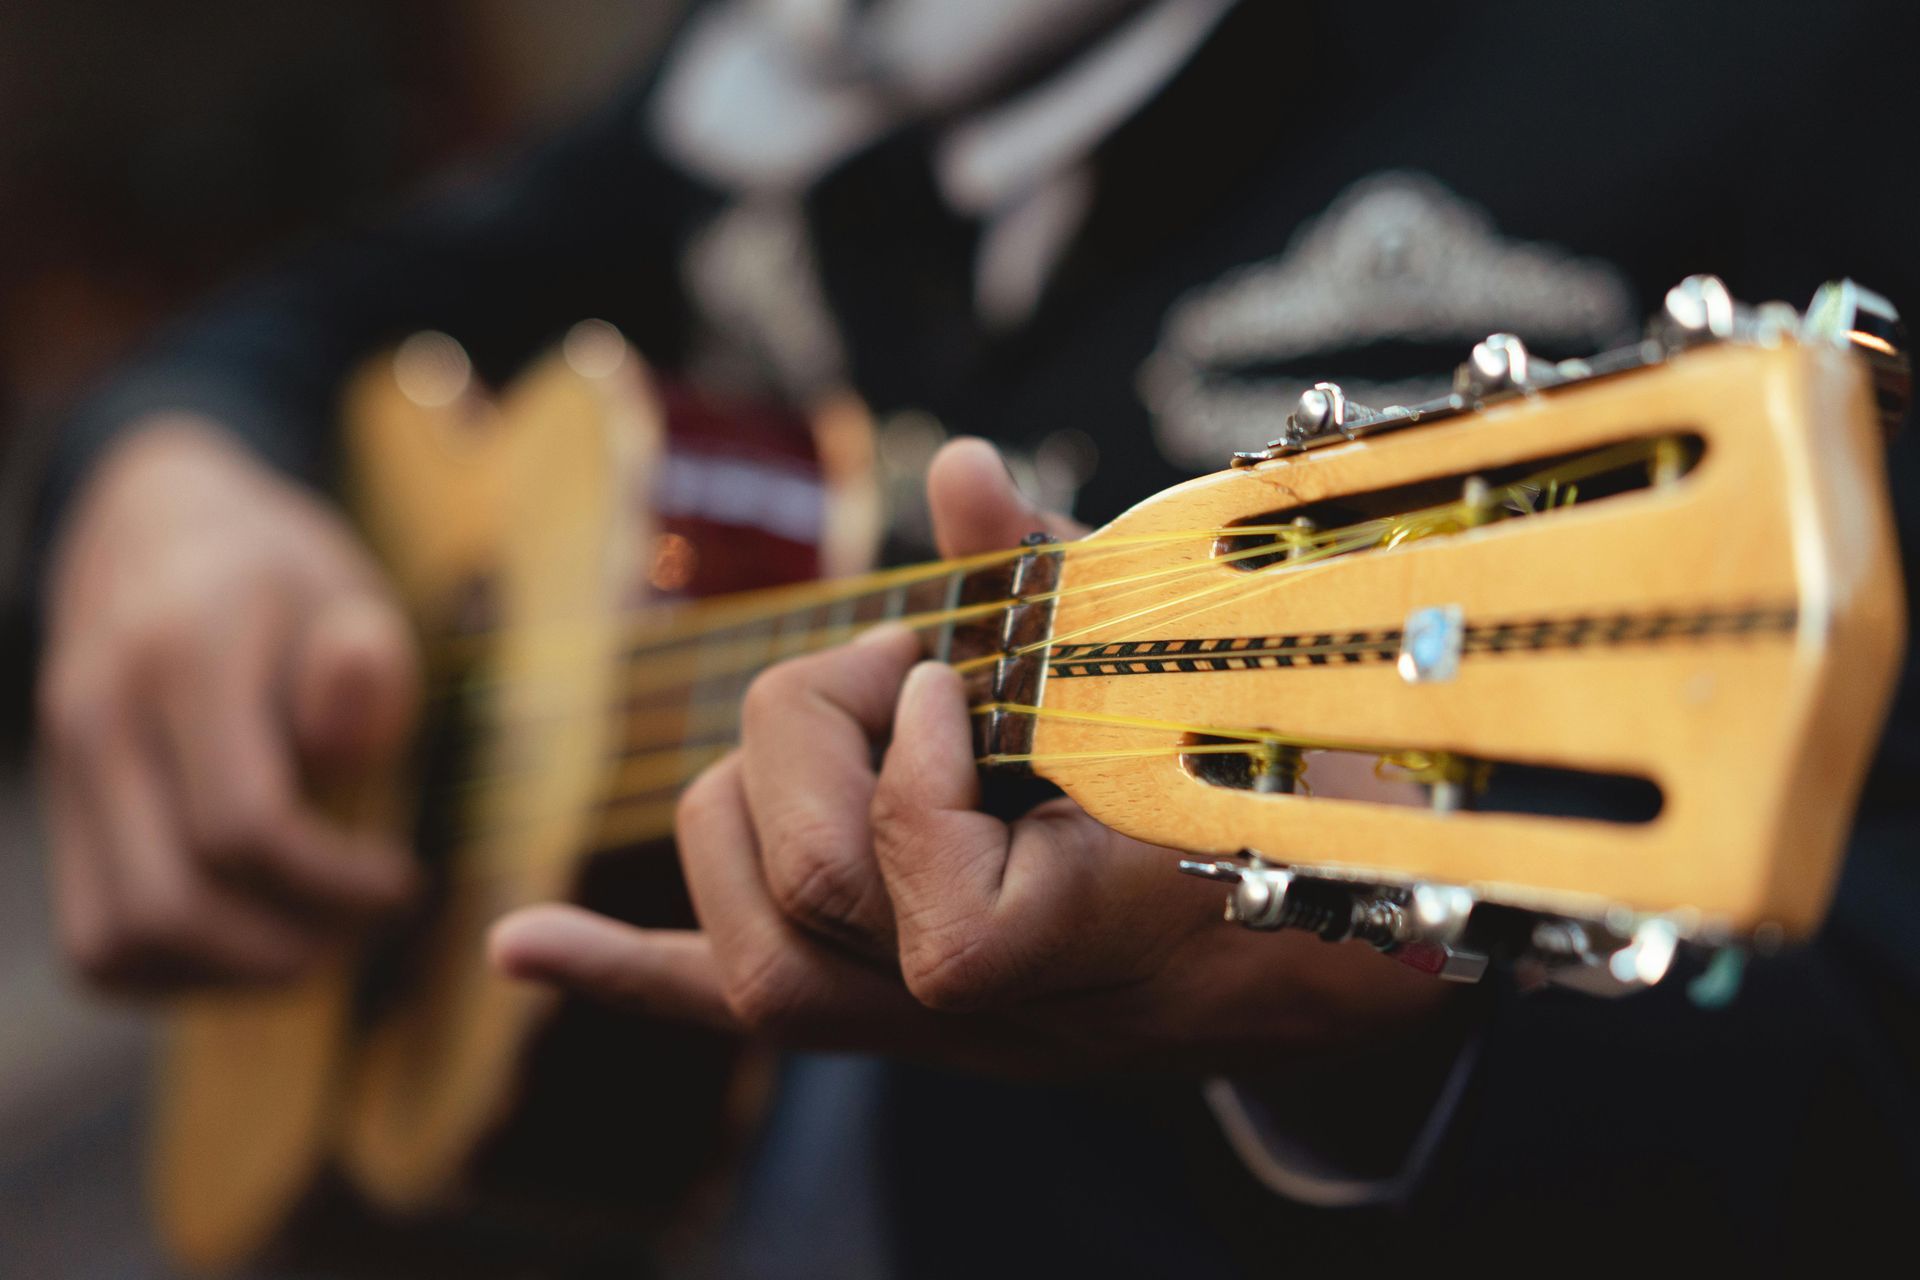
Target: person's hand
(216, 638)
(845, 905)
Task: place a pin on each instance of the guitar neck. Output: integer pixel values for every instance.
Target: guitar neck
(686, 674)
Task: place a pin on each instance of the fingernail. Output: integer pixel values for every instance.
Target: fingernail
(882, 634)
(930, 670)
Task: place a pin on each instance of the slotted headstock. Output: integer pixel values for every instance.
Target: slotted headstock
(1604, 643)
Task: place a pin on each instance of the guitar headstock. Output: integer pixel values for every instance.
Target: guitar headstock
(1578, 663)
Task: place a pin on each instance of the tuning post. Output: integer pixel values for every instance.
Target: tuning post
(1669, 461)
(1277, 769)
(1446, 931)
(1298, 541)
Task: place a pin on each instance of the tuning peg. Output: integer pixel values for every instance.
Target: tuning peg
(1321, 411)
(1440, 911)
(1322, 407)
(1698, 309)
(1647, 957)
(1424, 928)
(1499, 363)
(1434, 938)
(1604, 959)
(1851, 316)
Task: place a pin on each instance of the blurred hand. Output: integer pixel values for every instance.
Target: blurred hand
(853, 907)
(215, 638)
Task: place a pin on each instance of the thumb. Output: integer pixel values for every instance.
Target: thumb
(355, 686)
(977, 507)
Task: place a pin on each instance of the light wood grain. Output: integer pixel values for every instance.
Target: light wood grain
(1758, 742)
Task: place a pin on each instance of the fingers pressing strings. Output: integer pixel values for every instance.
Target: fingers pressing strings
(760, 972)
(809, 728)
(647, 779)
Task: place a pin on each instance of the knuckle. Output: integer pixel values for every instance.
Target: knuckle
(766, 994)
(700, 803)
(812, 878)
(771, 693)
(890, 813)
(951, 970)
(778, 689)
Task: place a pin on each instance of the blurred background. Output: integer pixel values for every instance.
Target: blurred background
(147, 154)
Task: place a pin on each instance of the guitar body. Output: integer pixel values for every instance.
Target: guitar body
(522, 534)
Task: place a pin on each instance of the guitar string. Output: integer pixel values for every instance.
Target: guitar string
(697, 624)
(656, 798)
(1539, 493)
(696, 708)
(649, 811)
(655, 626)
(1135, 583)
(1544, 490)
(1385, 531)
(1304, 543)
(652, 679)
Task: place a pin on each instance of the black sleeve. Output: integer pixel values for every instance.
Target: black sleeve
(587, 225)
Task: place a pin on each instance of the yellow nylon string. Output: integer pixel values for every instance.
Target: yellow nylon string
(1550, 489)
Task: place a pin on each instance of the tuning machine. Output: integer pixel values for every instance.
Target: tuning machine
(1497, 365)
(1448, 931)
(1855, 318)
(1321, 416)
(1424, 926)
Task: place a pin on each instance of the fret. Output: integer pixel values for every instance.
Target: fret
(841, 615)
(1022, 633)
(688, 724)
(792, 635)
(949, 601)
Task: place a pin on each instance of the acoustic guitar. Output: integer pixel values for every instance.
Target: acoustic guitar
(1626, 627)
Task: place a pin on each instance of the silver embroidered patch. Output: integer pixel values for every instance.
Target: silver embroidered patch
(1396, 255)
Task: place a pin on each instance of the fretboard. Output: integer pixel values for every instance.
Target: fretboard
(685, 676)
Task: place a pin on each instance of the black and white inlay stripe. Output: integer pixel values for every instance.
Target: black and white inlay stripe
(1331, 648)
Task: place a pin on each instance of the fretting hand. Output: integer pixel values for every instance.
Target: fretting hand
(849, 906)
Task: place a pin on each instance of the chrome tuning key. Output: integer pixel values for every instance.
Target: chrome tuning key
(1698, 311)
(1853, 317)
(1425, 927)
(1496, 365)
(1447, 931)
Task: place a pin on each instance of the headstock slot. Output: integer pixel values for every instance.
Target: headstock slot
(1448, 503)
(1410, 778)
